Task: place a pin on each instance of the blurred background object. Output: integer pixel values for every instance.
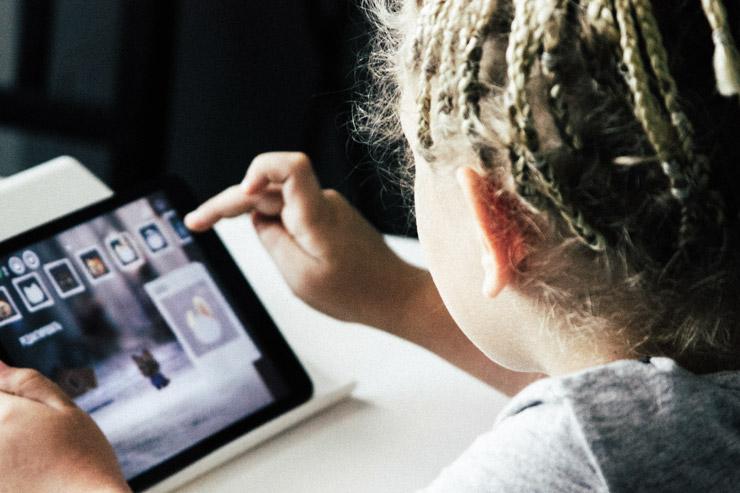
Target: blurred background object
(136, 88)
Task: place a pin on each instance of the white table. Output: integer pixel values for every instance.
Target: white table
(412, 413)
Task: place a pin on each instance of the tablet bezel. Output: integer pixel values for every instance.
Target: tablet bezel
(230, 278)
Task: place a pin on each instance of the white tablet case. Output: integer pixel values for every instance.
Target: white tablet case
(53, 189)
(45, 192)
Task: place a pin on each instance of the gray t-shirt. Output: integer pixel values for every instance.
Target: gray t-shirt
(627, 426)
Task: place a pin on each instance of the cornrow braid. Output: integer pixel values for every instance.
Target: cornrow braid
(648, 112)
(429, 63)
(522, 135)
(550, 61)
(524, 45)
(645, 105)
(658, 58)
(469, 86)
(448, 54)
(696, 176)
(420, 37)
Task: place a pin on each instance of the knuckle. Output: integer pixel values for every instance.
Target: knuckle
(331, 194)
(298, 162)
(28, 377)
(259, 161)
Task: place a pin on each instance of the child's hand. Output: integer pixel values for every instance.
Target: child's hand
(49, 444)
(331, 257)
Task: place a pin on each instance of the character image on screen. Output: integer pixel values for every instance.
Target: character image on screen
(195, 310)
(32, 292)
(64, 278)
(202, 322)
(75, 381)
(150, 368)
(8, 311)
(153, 237)
(123, 251)
(178, 226)
(95, 265)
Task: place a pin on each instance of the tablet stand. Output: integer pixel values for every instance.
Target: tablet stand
(58, 187)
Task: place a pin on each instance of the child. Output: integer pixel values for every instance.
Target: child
(574, 173)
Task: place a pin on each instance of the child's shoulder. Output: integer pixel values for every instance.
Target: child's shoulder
(534, 448)
(625, 426)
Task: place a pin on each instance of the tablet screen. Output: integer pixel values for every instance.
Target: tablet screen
(125, 314)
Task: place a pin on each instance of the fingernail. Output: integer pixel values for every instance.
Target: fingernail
(190, 218)
(244, 185)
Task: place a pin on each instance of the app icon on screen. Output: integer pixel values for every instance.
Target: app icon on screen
(181, 231)
(94, 264)
(32, 292)
(123, 250)
(8, 311)
(16, 265)
(64, 278)
(153, 237)
(31, 259)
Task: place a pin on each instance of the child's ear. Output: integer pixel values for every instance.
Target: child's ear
(479, 195)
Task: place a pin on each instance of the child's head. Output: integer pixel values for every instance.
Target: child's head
(588, 145)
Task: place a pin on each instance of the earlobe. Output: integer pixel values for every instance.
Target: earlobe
(478, 194)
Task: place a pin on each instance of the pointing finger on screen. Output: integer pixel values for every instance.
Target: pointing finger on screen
(233, 202)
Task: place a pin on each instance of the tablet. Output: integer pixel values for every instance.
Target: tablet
(150, 329)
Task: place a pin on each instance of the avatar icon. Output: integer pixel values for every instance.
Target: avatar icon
(64, 278)
(8, 311)
(123, 251)
(32, 292)
(182, 231)
(95, 266)
(153, 237)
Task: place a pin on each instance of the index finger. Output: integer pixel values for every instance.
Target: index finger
(231, 202)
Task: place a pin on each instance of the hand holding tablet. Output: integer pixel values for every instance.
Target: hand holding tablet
(150, 330)
(64, 443)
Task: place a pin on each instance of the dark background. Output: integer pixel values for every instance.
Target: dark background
(135, 88)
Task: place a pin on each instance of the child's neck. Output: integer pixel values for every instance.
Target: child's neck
(565, 357)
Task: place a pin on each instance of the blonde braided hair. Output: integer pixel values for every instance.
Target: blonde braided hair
(448, 57)
(551, 58)
(576, 54)
(525, 43)
(429, 59)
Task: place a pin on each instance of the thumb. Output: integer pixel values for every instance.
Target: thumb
(30, 384)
